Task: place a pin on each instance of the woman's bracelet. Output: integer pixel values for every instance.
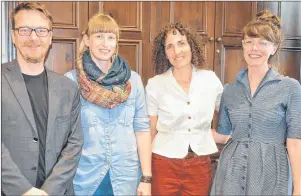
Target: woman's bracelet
(146, 179)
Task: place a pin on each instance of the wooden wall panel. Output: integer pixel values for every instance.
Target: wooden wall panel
(64, 60)
(272, 6)
(218, 22)
(235, 16)
(131, 50)
(146, 64)
(63, 19)
(192, 13)
(94, 7)
(231, 17)
(290, 13)
(233, 62)
(160, 16)
(290, 63)
(160, 13)
(209, 34)
(128, 14)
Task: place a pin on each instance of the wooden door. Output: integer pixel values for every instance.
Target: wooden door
(231, 17)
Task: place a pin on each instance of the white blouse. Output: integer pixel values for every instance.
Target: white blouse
(183, 119)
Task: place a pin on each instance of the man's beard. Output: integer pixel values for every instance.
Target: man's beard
(34, 59)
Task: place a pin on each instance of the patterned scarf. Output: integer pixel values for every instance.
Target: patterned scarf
(106, 90)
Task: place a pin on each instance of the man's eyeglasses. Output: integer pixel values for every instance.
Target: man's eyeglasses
(26, 31)
(260, 44)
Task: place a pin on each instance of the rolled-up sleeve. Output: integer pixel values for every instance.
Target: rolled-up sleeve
(224, 123)
(141, 121)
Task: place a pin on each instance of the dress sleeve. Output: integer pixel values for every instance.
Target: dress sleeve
(224, 123)
(293, 113)
(151, 97)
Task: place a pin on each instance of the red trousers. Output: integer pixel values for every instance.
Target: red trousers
(181, 176)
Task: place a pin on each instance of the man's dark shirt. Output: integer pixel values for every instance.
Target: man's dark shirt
(37, 88)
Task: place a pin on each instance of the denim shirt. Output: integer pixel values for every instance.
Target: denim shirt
(110, 142)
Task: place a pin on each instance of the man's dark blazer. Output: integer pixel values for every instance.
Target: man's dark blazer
(20, 148)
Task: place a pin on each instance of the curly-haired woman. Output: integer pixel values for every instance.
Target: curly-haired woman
(181, 101)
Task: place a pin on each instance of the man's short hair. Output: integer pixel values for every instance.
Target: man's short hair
(30, 6)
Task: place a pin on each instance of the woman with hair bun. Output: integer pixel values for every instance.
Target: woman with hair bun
(261, 110)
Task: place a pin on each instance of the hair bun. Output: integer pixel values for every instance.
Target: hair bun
(267, 16)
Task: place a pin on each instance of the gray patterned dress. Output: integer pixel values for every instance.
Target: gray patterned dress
(256, 162)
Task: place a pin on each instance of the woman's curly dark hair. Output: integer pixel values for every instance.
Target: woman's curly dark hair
(160, 63)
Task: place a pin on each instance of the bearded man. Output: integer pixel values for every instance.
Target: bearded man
(41, 132)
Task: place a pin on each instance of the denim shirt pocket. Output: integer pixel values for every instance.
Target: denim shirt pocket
(127, 110)
(88, 116)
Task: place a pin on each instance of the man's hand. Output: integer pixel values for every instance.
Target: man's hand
(35, 192)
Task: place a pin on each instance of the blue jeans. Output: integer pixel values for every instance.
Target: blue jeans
(105, 187)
